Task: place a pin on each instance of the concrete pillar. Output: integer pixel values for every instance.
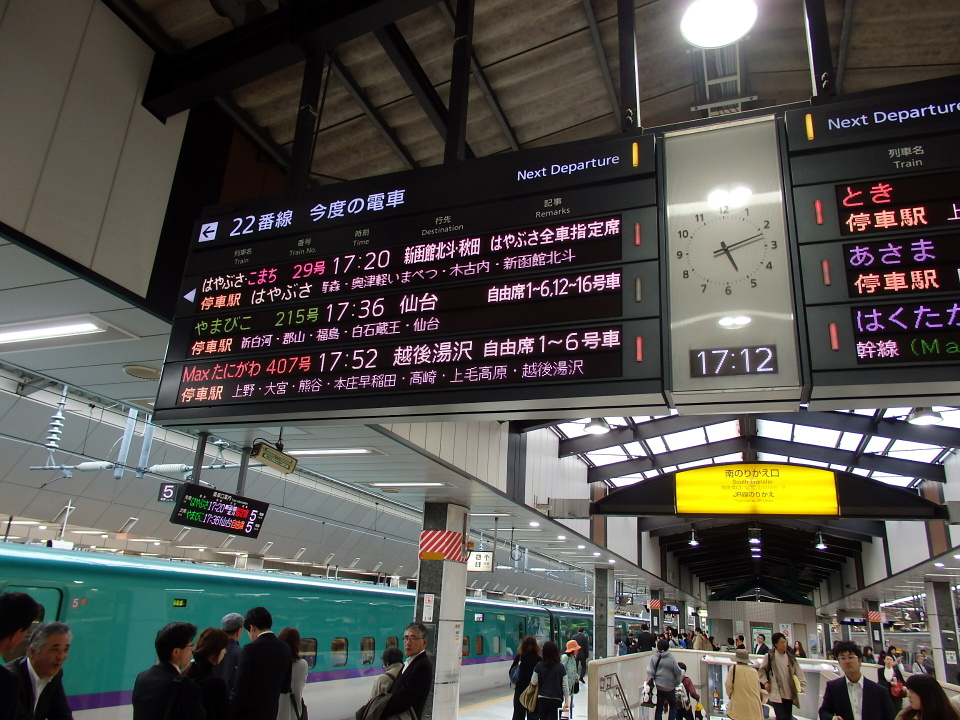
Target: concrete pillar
(441, 598)
(826, 641)
(942, 625)
(874, 618)
(656, 611)
(604, 609)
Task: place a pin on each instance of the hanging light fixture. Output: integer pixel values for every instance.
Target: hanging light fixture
(924, 416)
(754, 536)
(596, 426)
(712, 24)
(821, 545)
(693, 538)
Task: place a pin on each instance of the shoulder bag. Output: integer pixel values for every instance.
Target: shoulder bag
(648, 693)
(514, 673)
(301, 712)
(528, 698)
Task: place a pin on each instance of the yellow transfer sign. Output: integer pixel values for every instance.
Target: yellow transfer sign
(757, 489)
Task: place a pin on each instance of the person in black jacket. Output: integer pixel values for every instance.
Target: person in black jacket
(550, 677)
(415, 682)
(263, 672)
(646, 639)
(42, 669)
(232, 625)
(162, 692)
(527, 658)
(875, 702)
(17, 611)
(583, 654)
(209, 652)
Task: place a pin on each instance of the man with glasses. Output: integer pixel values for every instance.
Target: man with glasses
(412, 687)
(853, 697)
(162, 692)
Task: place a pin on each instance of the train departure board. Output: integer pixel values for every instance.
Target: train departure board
(211, 509)
(877, 206)
(525, 282)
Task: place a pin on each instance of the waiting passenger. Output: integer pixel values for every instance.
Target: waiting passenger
(42, 696)
(584, 654)
(263, 673)
(412, 688)
(17, 612)
(840, 695)
(743, 689)
(662, 668)
(392, 659)
(207, 655)
(527, 659)
(291, 703)
(161, 692)
(232, 625)
(550, 677)
(569, 660)
(687, 713)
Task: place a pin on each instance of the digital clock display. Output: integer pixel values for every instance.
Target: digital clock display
(211, 509)
(756, 360)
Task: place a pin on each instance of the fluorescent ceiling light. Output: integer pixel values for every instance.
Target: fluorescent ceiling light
(335, 451)
(407, 484)
(717, 23)
(924, 416)
(596, 426)
(491, 515)
(46, 331)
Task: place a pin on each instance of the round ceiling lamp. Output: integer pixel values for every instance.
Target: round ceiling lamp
(142, 372)
(711, 24)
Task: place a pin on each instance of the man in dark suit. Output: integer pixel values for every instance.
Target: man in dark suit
(761, 647)
(415, 682)
(646, 639)
(232, 625)
(853, 697)
(583, 654)
(17, 611)
(162, 692)
(42, 696)
(263, 671)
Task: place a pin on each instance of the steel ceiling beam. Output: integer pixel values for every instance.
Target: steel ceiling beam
(676, 457)
(262, 47)
(601, 56)
(481, 79)
(373, 115)
(406, 63)
(867, 425)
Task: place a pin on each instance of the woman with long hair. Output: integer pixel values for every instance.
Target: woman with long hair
(527, 658)
(798, 649)
(927, 701)
(209, 650)
(891, 678)
(550, 677)
(291, 703)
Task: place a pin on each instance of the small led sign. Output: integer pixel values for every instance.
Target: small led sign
(756, 489)
(907, 266)
(211, 509)
(922, 331)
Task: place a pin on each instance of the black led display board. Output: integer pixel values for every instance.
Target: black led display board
(514, 283)
(876, 190)
(211, 509)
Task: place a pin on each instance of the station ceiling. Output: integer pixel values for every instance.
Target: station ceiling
(544, 73)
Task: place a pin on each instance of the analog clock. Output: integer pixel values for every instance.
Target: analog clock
(729, 283)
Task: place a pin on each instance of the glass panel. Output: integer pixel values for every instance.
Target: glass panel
(466, 645)
(308, 651)
(367, 650)
(338, 652)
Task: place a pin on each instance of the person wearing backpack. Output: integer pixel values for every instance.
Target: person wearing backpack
(687, 697)
(662, 668)
(526, 660)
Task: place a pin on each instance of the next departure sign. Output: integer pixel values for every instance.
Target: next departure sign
(211, 509)
(535, 273)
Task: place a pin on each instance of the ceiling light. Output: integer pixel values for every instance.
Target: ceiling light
(924, 416)
(938, 564)
(693, 539)
(581, 547)
(755, 549)
(490, 515)
(335, 451)
(534, 523)
(596, 426)
(754, 536)
(402, 484)
(23, 332)
(611, 561)
(717, 23)
(561, 537)
(596, 554)
(142, 372)
(821, 545)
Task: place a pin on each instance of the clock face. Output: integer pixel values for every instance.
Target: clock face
(727, 251)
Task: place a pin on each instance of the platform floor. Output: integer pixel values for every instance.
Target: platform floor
(498, 705)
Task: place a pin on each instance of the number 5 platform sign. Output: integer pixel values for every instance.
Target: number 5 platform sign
(212, 509)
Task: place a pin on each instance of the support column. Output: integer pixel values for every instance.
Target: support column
(441, 598)
(942, 626)
(629, 72)
(656, 611)
(683, 620)
(874, 617)
(604, 609)
(826, 644)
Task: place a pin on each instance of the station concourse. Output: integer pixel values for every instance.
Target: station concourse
(428, 302)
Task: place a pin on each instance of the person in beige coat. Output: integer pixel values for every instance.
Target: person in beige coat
(743, 689)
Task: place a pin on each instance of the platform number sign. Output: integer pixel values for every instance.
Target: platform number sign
(168, 492)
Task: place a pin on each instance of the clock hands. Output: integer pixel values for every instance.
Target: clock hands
(726, 249)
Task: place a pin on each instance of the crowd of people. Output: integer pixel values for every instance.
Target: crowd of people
(210, 677)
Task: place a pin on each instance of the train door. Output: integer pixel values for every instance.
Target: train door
(50, 601)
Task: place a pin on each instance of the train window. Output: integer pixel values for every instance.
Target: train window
(368, 648)
(338, 652)
(478, 645)
(392, 641)
(466, 645)
(496, 645)
(308, 651)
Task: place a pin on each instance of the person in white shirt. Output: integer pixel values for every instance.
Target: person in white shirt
(41, 673)
(853, 697)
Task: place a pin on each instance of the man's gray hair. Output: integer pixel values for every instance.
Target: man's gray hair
(43, 632)
(420, 628)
